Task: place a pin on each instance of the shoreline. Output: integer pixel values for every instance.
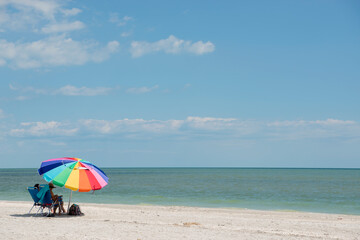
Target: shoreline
(194, 206)
(119, 221)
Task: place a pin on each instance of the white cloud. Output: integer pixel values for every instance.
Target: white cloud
(26, 14)
(28, 89)
(131, 126)
(172, 126)
(47, 17)
(82, 91)
(12, 87)
(199, 47)
(46, 7)
(53, 51)
(217, 127)
(18, 21)
(22, 98)
(299, 123)
(40, 129)
(63, 27)
(171, 45)
(2, 115)
(71, 12)
(142, 89)
(67, 90)
(329, 128)
(208, 123)
(331, 121)
(114, 18)
(31, 15)
(126, 34)
(209, 127)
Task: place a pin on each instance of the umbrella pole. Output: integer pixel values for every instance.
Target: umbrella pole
(69, 201)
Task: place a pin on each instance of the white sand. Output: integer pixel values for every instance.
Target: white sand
(103, 221)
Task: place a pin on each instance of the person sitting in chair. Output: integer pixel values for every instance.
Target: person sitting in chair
(37, 186)
(57, 200)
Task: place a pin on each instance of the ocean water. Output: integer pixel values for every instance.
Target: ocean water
(313, 190)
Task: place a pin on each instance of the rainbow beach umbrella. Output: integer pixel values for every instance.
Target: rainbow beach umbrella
(73, 173)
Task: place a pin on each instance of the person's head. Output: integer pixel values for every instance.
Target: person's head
(51, 186)
(37, 186)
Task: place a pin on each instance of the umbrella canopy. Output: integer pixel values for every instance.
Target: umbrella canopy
(73, 173)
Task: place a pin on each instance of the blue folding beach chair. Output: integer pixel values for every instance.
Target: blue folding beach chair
(42, 198)
(33, 192)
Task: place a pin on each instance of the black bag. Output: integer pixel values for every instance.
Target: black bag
(75, 210)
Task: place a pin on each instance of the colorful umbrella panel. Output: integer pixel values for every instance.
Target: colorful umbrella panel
(73, 173)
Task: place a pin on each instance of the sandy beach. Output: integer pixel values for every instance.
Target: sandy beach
(112, 221)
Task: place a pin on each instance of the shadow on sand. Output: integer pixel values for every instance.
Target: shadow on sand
(45, 215)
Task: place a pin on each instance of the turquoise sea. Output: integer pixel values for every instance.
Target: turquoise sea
(313, 190)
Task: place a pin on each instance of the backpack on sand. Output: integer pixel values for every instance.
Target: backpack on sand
(75, 210)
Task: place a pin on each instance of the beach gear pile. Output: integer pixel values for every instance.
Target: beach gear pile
(75, 210)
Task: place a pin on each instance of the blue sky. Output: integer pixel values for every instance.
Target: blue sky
(180, 83)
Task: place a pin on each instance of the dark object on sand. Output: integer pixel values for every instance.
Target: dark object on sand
(75, 210)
